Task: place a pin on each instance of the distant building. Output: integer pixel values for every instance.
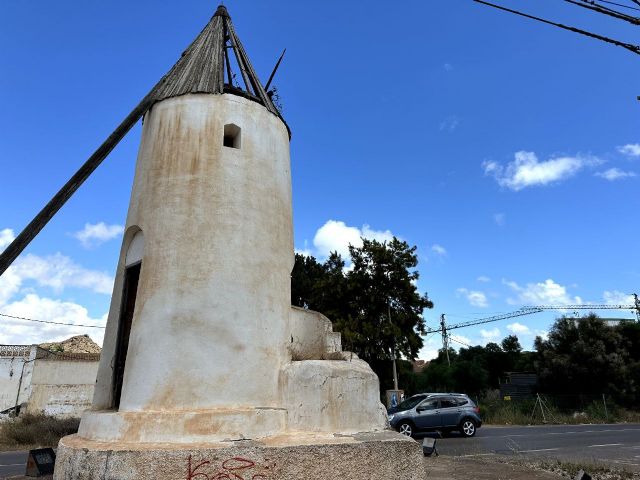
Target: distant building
(58, 381)
(419, 365)
(609, 322)
(518, 385)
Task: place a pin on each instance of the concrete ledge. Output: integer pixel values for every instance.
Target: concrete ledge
(182, 426)
(332, 396)
(371, 456)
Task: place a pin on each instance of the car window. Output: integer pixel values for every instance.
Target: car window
(462, 401)
(429, 404)
(410, 402)
(448, 402)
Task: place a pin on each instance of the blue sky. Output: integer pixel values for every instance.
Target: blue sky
(506, 150)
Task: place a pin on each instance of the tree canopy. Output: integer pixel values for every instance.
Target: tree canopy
(589, 356)
(374, 303)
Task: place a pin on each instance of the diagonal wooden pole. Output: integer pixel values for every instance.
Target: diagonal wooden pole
(42, 218)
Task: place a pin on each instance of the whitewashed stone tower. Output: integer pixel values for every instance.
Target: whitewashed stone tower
(202, 349)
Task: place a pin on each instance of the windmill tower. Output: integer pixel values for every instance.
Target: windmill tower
(207, 371)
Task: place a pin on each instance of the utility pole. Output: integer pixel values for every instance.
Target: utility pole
(395, 371)
(445, 337)
(637, 303)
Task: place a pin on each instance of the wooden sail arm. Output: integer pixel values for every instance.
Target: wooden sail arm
(25, 237)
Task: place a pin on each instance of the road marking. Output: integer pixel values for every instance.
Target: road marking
(605, 445)
(540, 450)
(12, 464)
(476, 454)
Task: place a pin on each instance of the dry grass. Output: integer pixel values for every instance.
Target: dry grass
(597, 471)
(29, 430)
(497, 412)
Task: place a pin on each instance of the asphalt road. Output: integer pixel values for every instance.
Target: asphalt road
(615, 445)
(12, 463)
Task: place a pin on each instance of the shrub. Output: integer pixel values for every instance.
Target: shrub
(36, 429)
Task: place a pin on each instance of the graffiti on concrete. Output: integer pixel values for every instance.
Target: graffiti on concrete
(234, 468)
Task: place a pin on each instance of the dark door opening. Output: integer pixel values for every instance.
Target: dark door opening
(131, 277)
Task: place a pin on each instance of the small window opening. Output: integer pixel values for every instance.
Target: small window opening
(231, 136)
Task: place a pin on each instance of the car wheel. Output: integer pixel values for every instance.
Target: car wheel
(468, 428)
(406, 428)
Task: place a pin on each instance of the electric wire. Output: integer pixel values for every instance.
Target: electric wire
(49, 321)
(620, 5)
(629, 46)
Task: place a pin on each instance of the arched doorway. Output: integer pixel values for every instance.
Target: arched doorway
(133, 265)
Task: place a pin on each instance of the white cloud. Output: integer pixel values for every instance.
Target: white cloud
(448, 67)
(58, 272)
(13, 331)
(93, 235)
(542, 333)
(337, 236)
(483, 279)
(6, 237)
(500, 219)
(630, 149)
(542, 293)
(474, 297)
(615, 174)
(617, 298)
(526, 170)
(439, 250)
(490, 335)
(449, 124)
(518, 328)
(431, 347)
(10, 283)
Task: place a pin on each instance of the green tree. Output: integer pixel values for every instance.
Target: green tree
(587, 356)
(374, 304)
(387, 308)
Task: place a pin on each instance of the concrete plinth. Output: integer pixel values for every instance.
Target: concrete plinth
(366, 456)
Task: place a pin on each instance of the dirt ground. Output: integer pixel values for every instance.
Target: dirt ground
(478, 468)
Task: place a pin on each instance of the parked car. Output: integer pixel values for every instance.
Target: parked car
(436, 411)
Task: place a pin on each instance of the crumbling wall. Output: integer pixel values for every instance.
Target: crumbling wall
(312, 335)
(16, 366)
(62, 387)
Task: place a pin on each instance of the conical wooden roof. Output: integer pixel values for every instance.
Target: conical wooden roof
(206, 66)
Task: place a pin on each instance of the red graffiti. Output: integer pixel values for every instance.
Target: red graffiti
(235, 468)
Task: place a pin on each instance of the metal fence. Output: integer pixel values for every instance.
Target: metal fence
(15, 350)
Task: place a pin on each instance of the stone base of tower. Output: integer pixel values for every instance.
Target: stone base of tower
(365, 456)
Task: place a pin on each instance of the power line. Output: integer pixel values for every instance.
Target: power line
(49, 321)
(620, 5)
(628, 46)
(452, 337)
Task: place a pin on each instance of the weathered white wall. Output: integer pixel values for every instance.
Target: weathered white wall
(213, 332)
(311, 335)
(11, 369)
(62, 388)
(210, 323)
(332, 396)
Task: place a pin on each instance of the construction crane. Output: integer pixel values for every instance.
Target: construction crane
(527, 310)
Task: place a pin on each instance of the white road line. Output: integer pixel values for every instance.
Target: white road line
(540, 450)
(476, 454)
(12, 464)
(605, 445)
(572, 432)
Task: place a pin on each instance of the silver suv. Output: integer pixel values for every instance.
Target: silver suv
(436, 411)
